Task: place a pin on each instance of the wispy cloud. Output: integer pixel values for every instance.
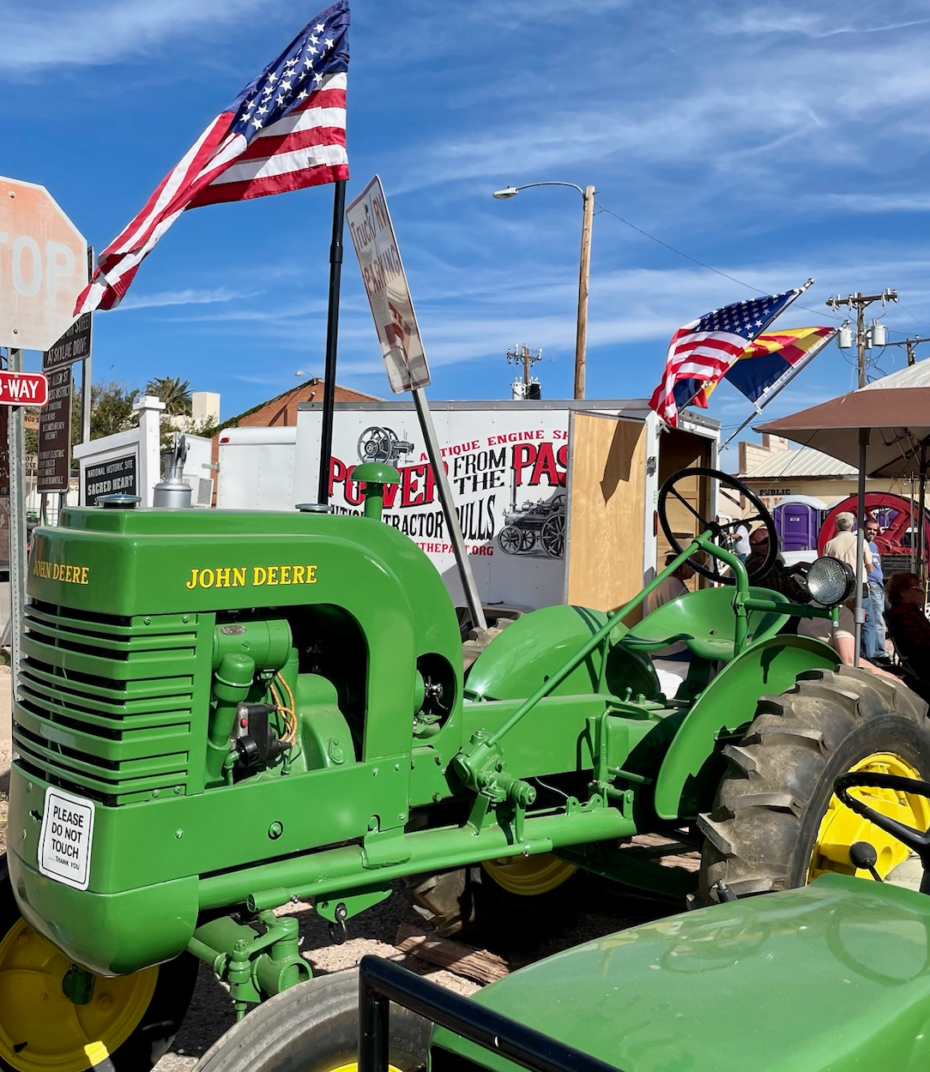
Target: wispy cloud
(864, 202)
(183, 297)
(267, 381)
(814, 26)
(734, 116)
(43, 35)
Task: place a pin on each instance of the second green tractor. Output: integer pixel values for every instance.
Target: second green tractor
(220, 713)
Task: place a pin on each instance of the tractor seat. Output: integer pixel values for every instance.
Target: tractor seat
(705, 621)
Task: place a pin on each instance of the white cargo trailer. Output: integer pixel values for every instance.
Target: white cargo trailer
(556, 499)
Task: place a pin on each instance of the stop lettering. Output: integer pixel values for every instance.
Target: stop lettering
(43, 267)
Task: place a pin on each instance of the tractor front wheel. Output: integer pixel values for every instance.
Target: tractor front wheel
(313, 1027)
(776, 823)
(127, 1024)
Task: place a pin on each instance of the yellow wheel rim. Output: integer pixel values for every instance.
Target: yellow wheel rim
(353, 1067)
(529, 876)
(40, 1029)
(841, 827)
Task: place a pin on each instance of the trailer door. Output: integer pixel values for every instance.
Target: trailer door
(606, 500)
(684, 450)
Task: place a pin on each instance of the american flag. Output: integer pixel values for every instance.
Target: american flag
(703, 350)
(286, 130)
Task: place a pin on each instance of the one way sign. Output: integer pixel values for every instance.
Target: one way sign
(23, 389)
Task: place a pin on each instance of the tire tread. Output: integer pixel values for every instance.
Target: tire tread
(776, 772)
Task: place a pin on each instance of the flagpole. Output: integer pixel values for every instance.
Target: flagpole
(779, 385)
(332, 336)
(761, 331)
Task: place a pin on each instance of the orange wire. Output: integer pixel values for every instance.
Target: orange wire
(288, 713)
(292, 709)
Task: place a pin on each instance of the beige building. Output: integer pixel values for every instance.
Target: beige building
(775, 472)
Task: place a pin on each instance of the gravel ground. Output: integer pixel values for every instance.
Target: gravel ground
(603, 910)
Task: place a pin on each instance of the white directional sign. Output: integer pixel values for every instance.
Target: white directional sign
(43, 267)
(386, 286)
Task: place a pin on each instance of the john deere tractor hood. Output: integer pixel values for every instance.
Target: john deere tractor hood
(832, 976)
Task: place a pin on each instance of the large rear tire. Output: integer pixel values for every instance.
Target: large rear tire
(775, 823)
(127, 1026)
(313, 1027)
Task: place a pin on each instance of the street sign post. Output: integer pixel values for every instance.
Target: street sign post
(43, 267)
(402, 348)
(387, 289)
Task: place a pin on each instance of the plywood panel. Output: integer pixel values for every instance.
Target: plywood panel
(606, 502)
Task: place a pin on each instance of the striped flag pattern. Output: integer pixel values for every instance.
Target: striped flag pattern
(285, 131)
(771, 356)
(702, 351)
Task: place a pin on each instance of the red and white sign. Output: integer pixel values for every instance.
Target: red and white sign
(43, 267)
(23, 389)
(507, 468)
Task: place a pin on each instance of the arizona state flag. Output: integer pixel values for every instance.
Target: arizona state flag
(768, 358)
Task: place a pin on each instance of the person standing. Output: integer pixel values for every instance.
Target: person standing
(873, 632)
(742, 548)
(843, 544)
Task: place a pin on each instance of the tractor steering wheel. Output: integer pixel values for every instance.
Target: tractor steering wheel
(718, 532)
(915, 840)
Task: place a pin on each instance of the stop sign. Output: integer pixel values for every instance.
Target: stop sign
(43, 267)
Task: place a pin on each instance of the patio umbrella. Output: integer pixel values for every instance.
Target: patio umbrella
(883, 429)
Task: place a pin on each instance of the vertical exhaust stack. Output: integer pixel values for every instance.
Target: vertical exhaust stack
(172, 492)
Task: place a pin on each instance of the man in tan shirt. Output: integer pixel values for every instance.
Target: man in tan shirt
(843, 544)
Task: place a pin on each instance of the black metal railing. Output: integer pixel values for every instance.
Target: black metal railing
(381, 982)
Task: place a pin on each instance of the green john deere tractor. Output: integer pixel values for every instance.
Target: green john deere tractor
(218, 713)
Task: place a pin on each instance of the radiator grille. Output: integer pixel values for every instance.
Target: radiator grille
(104, 705)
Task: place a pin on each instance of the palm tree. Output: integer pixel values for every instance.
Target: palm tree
(175, 393)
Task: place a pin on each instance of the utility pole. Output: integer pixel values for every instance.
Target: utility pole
(584, 276)
(910, 344)
(523, 356)
(860, 302)
(584, 269)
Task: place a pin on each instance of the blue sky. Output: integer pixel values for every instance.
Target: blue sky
(774, 142)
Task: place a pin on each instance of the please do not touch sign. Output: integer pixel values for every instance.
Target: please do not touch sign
(66, 838)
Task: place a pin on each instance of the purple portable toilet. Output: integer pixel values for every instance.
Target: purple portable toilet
(797, 522)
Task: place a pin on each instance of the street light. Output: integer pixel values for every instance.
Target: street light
(584, 273)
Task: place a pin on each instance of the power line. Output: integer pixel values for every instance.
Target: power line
(911, 315)
(701, 264)
(672, 249)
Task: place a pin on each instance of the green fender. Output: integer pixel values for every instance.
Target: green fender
(535, 646)
(769, 668)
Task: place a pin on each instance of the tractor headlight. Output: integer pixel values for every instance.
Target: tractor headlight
(830, 581)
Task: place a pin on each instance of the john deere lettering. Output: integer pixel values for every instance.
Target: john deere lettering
(256, 577)
(60, 571)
